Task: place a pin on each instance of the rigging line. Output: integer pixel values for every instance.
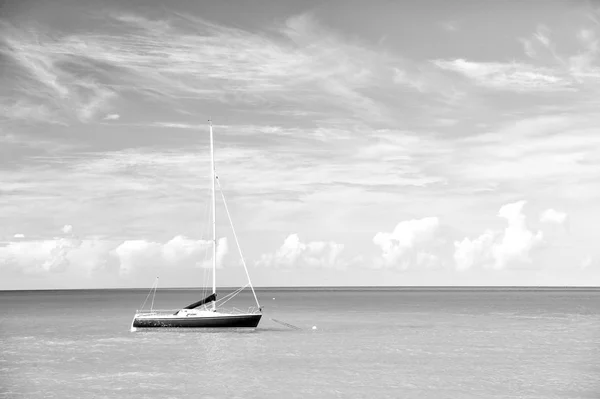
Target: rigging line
(155, 287)
(229, 296)
(149, 292)
(232, 293)
(236, 240)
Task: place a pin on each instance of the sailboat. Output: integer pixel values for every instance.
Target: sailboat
(207, 312)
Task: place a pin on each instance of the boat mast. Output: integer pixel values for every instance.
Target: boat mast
(214, 215)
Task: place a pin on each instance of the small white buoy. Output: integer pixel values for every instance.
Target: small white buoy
(314, 327)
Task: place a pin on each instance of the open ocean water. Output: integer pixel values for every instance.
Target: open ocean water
(408, 343)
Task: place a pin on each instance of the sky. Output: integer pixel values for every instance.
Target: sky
(407, 143)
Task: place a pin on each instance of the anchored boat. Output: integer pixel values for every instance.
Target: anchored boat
(208, 312)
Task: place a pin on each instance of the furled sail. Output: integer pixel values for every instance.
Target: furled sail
(208, 299)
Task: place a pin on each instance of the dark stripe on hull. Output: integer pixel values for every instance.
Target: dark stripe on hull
(237, 321)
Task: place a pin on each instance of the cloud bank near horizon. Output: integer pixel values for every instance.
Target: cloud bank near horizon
(418, 244)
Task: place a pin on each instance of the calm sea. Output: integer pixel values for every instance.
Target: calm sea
(367, 344)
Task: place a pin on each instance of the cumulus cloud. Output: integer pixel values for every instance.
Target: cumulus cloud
(56, 255)
(295, 253)
(517, 240)
(137, 253)
(112, 117)
(87, 255)
(408, 244)
(553, 216)
(500, 249)
(39, 255)
(586, 262)
(468, 252)
(49, 255)
(179, 251)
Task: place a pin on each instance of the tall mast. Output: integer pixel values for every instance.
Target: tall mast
(214, 214)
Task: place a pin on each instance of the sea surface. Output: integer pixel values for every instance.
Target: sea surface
(372, 343)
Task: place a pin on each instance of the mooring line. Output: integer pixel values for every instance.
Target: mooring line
(293, 327)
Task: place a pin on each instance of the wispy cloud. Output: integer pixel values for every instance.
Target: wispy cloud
(532, 151)
(539, 46)
(542, 35)
(584, 64)
(26, 110)
(270, 179)
(577, 65)
(450, 26)
(215, 62)
(514, 76)
(175, 125)
(298, 64)
(564, 68)
(57, 85)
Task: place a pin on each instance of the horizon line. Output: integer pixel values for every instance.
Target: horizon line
(338, 288)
